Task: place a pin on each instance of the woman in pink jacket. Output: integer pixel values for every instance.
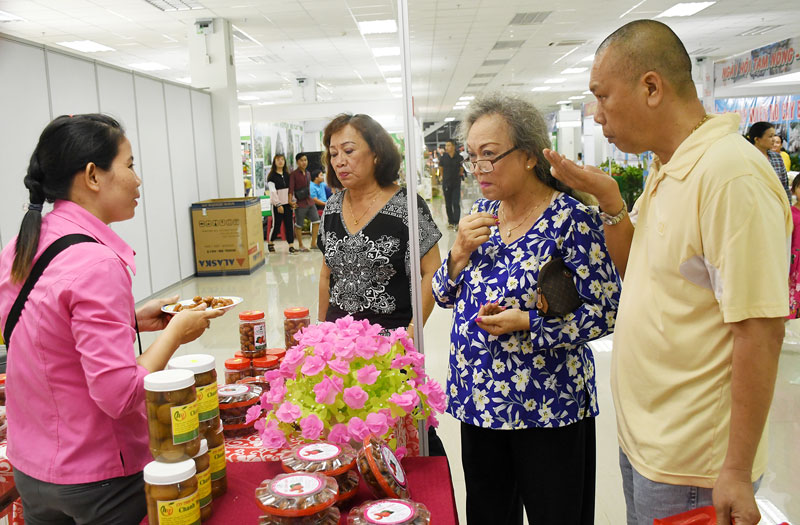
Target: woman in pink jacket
(77, 430)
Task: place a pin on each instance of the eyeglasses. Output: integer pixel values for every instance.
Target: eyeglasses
(484, 165)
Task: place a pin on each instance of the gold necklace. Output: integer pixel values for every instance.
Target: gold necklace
(533, 209)
(352, 216)
(702, 121)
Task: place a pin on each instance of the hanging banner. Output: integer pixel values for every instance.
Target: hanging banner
(782, 111)
(759, 64)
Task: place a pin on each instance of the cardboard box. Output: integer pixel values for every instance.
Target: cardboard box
(228, 237)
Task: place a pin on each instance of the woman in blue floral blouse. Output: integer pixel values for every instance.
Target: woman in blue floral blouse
(523, 384)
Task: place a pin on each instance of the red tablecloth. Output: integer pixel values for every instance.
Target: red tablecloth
(428, 480)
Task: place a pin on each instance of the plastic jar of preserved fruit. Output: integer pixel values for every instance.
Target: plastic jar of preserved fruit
(296, 495)
(202, 463)
(326, 458)
(253, 333)
(381, 469)
(277, 352)
(348, 486)
(234, 401)
(205, 381)
(295, 319)
(262, 365)
(259, 381)
(173, 426)
(236, 369)
(391, 512)
(171, 491)
(216, 453)
(329, 516)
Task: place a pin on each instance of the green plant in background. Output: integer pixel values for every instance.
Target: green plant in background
(630, 180)
(795, 165)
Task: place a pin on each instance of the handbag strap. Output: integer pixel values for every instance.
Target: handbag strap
(58, 246)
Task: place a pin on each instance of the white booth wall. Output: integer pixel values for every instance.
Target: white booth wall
(170, 130)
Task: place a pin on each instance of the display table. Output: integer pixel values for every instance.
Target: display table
(428, 480)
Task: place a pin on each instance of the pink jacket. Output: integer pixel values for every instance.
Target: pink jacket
(75, 395)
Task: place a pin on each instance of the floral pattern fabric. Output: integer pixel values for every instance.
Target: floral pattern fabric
(543, 377)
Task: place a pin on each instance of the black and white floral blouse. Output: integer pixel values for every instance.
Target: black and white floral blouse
(544, 376)
(370, 270)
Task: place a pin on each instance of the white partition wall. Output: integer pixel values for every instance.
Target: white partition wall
(117, 98)
(204, 146)
(73, 86)
(184, 177)
(157, 183)
(25, 110)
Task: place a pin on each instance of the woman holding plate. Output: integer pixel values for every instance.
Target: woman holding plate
(77, 433)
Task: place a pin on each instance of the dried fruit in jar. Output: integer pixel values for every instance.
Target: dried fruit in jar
(381, 469)
(329, 516)
(348, 486)
(327, 458)
(391, 512)
(297, 494)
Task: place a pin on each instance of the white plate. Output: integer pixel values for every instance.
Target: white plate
(169, 309)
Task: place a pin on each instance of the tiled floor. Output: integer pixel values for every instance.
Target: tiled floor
(291, 280)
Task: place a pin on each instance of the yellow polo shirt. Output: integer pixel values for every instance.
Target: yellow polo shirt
(710, 247)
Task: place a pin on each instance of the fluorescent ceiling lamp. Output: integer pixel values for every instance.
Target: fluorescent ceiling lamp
(247, 98)
(564, 102)
(589, 58)
(555, 80)
(568, 124)
(458, 108)
(389, 68)
(790, 78)
(541, 88)
(574, 70)
(449, 119)
(238, 31)
(184, 80)
(587, 92)
(378, 52)
(577, 97)
(148, 66)
(632, 8)
(86, 46)
(375, 27)
(265, 103)
(685, 9)
(467, 97)
(8, 17)
(394, 80)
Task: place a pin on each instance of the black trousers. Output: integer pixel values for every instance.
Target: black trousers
(115, 501)
(549, 471)
(452, 201)
(284, 218)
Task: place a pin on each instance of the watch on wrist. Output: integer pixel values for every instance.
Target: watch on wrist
(611, 220)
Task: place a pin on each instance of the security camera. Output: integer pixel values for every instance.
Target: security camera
(301, 81)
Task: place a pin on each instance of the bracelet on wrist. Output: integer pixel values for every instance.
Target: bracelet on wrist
(611, 220)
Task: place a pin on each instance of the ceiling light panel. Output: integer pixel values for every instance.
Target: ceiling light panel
(8, 17)
(386, 52)
(702, 51)
(759, 30)
(529, 19)
(86, 46)
(555, 80)
(377, 27)
(495, 62)
(508, 44)
(685, 9)
(484, 75)
(574, 70)
(389, 68)
(175, 5)
(541, 88)
(577, 97)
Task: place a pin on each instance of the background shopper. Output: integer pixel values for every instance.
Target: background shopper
(700, 321)
(77, 430)
(777, 147)
(761, 135)
(452, 171)
(794, 264)
(521, 384)
(304, 207)
(278, 181)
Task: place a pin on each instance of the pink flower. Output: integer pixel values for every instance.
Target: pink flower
(288, 412)
(260, 425)
(292, 358)
(313, 365)
(355, 397)
(327, 389)
(310, 336)
(346, 350)
(366, 347)
(253, 413)
(400, 452)
(406, 402)
(324, 350)
(431, 422)
(344, 322)
(340, 366)
(277, 391)
(272, 375)
(377, 423)
(388, 413)
(272, 437)
(339, 434)
(264, 402)
(412, 358)
(311, 427)
(357, 428)
(367, 375)
(436, 396)
(384, 346)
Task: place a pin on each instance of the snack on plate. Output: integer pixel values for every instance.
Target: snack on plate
(390, 512)
(297, 494)
(381, 469)
(210, 301)
(348, 486)
(323, 457)
(329, 516)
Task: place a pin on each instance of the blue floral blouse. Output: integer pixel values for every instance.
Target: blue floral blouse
(538, 378)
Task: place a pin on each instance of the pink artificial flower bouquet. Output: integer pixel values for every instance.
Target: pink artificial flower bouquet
(344, 381)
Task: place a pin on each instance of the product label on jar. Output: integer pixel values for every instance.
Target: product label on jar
(204, 487)
(319, 452)
(184, 511)
(260, 336)
(208, 402)
(185, 425)
(394, 466)
(297, 485)
(391, 511)
(217, 456)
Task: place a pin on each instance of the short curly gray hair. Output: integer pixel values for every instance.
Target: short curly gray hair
(525, 125)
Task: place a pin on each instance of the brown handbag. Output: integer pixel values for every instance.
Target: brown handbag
(557, 285)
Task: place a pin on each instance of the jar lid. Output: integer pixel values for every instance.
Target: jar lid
(251, 315)
(237, 363)
(266, 362)
(203, 448)
(158, 473)
(297, 494)
(238, 395)
(168, 380)
(390, 511)
(296, 313)
(325, 457)
(197, 363)
(278, 352)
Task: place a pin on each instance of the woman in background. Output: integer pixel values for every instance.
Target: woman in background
(278, 183)
(760, 135)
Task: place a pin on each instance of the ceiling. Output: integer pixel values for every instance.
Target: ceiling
(458, 47)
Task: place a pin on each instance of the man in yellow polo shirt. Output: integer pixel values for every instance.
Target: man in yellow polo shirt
(705, 263)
